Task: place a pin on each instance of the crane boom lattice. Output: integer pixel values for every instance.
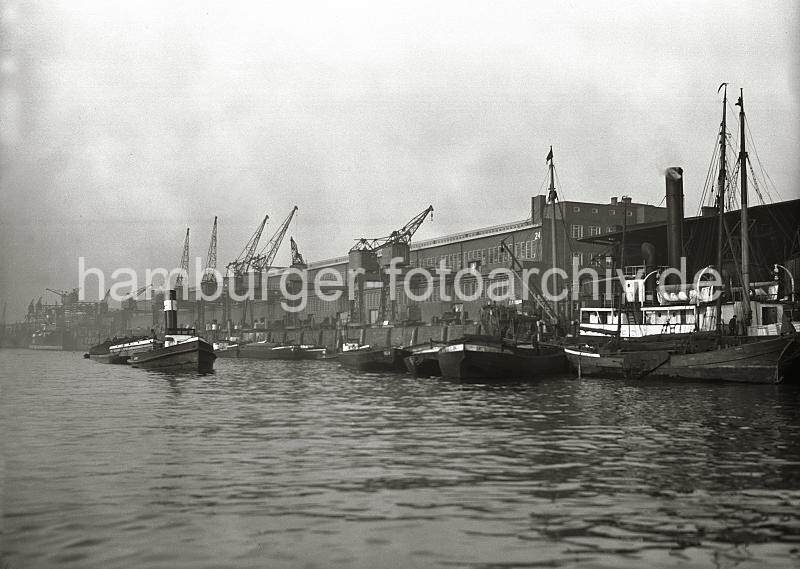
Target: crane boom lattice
(265, 259)
(211, 257)
(242, 264)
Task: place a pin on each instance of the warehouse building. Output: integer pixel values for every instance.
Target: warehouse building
(482, 249)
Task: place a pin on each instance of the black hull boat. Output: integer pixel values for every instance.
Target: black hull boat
(190, 355)
(255, 351)
(120, 350)
(374, 359)
(475, 359)
(290, 352)
(770, 360)
(423, 361)
(109, 358)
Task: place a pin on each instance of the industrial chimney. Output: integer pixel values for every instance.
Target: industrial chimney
(674, 177)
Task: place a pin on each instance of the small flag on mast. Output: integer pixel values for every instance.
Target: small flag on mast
(549, 155)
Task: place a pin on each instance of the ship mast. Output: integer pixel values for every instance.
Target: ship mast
(551, 197)
(744, 219)
(721, 197)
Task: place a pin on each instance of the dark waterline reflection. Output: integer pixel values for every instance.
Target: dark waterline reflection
(271, 464)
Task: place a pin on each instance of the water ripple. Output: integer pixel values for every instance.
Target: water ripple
(305, 464)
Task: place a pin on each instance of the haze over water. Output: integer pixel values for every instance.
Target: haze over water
(303, 464)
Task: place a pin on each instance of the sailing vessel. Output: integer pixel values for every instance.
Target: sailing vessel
(510, 347)
(180, 349)
(677, 351)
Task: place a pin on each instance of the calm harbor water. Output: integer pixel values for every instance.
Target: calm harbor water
(303, 464)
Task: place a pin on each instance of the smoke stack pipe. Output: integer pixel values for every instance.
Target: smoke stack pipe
(674, 177)
(170, 311)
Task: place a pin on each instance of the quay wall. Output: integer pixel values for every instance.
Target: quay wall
(379, 337)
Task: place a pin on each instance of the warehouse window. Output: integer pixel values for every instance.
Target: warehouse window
(595, 210)
(594, 230)
(612, 212)
(576, 209)
(577, 231)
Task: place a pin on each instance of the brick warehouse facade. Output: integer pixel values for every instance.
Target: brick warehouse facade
(530, 239)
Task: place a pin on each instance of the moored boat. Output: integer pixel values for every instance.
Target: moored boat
(483, 358)
(423, 361)
(227, 350)
(291, 352)
(49, 340)
(367, 358)
(119, 350)
(770, 360)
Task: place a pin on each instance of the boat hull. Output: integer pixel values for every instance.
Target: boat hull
(423, 365)
(119, 351)
(764, 361)
(257, 351)
(110, 358)
(379, 359)
(196, 355)
(478, 361)
(292, 353)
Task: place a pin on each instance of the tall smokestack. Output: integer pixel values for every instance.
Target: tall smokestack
(170, 311)
(674, 176)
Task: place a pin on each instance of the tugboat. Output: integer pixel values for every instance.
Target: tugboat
(181, 348)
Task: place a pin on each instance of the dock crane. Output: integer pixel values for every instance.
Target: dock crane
(240, 267)
(131, 300)
(208, 283)
(243, 263)
(184, 266)
(297, 258)
(263, 261)
(533, 293)
(67, 297)
(364, 254)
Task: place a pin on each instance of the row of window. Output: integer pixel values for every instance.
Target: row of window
(592, 230)
(523, 250)
(577, 209)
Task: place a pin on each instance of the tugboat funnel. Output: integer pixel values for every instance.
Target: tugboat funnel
(170, 311)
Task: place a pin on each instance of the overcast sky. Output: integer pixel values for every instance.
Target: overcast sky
(125, 122)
